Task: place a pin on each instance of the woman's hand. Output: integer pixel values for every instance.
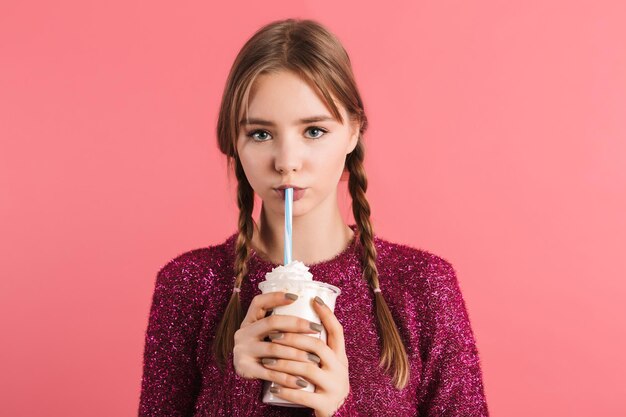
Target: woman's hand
(250, 346)
(331, 380)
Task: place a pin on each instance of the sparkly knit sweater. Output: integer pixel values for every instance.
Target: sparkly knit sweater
(181, 377)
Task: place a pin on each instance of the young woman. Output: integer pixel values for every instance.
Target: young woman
(399, 341)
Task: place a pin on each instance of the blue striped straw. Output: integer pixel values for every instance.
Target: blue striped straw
(288, 205)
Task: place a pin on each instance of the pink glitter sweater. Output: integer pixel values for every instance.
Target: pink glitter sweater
(180, 377)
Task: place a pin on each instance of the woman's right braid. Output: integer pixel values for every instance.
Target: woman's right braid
(234, 314)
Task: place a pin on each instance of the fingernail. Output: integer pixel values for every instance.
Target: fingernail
(291, 296)
(268, 361)
(313, 358)
(317, 327)
(274, 390)
(274, 336)
(302, 383)
(319, 300)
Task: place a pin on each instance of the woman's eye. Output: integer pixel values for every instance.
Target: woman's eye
(319, 129)
(253, 133)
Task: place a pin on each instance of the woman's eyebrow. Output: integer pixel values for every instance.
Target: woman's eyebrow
(262, 122)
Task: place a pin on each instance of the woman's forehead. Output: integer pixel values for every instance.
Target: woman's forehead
(276, 110)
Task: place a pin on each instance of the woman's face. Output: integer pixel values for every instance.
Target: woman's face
(279, 146)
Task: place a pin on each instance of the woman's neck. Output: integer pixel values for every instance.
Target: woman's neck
(317, 236)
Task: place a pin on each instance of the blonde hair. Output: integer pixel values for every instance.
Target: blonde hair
(308, 49)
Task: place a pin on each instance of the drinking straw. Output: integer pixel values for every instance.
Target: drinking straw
(288, 205)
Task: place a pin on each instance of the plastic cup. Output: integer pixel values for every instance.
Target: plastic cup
(306, 291)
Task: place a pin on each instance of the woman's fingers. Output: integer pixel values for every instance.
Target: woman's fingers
(261, 303)
(334, 329)
(258, 371)
(247, 355)
(280, 351)
(308, 346)
(309, 371)
(281, 323)
(299, 396)
(268, 351)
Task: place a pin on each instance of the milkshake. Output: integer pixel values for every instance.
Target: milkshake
(295, 278)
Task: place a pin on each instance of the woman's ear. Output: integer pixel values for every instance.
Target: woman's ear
(355, 131)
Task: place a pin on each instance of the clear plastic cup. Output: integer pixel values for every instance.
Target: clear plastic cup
(306, 291)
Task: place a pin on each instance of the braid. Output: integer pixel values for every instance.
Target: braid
(393, 350)
(234, 314)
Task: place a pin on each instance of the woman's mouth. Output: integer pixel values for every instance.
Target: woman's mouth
(298, 193)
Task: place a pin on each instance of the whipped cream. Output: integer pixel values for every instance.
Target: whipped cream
(293, 270)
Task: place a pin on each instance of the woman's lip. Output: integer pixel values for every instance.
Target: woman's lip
(298, 193)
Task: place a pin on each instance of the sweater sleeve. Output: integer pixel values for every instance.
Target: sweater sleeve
(171, 379)
(451, 384)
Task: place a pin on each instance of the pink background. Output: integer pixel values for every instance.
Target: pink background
(497, 140)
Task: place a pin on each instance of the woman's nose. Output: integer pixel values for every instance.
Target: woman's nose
(288, 156)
